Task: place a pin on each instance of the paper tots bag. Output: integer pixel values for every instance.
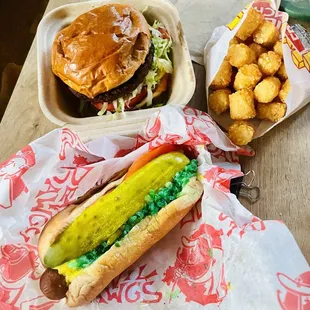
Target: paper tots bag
(296, 58)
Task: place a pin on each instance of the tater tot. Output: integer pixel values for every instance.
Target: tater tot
(223, 77)
(234, 40)
(286, 86)
(273, 111)
(277, 48)
(241, 132)
(269, 63)
(282, 72)
(240, 55)
(266, 34)
(258, 49)
(247, 77)
(250, 24)
(267, 89)
(219, 100)
(241, 105)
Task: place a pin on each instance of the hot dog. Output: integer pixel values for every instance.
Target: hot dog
(89, 243)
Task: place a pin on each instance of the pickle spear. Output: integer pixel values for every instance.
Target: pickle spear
(103, 218)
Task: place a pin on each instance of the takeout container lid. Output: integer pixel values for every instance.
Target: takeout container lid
(52, 95)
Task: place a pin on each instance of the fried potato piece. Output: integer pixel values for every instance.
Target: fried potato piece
(266, 34)
(240, 55)
(277, 48)
(241, 105)
(269, 63)
(247, 77)
(219, 100)
(241, 132)
(258, 49)
(286, 86)
(273, 111)
(282, 72)
(253, 20)
(223, 76)
(267, 89)
(234, 40)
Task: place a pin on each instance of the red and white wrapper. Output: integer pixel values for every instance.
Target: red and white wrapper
(296, 55)
(219, 255)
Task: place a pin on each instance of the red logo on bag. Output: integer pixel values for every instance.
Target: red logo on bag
(17, 261)
(296, 293)
(12, 171)
(199, 270)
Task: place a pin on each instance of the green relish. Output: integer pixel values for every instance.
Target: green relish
(154, 201)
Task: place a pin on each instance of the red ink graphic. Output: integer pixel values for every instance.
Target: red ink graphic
(12, 171)
(255, 225)
(9, 297)
(132, 286)
(194, 271)
(276, 17)
(17, 261)
(122, 153)
(220, 178)
(80, 160)
(57, 193)
(70, 141)
(221, 155)
(38, 303)
(197, 123)
(295, 294)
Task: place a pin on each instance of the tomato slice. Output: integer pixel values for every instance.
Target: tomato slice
(164, 33)
(128, 105)
(134, 101)
(147, 157)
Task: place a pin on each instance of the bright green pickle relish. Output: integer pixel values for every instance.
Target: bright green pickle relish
(154, 201)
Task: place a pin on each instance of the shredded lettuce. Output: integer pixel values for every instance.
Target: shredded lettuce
(103, 109)
(162, 63)
(120, 105)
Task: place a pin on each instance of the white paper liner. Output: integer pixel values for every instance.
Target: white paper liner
(220, 254)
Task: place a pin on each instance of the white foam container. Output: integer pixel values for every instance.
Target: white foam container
(53, 98)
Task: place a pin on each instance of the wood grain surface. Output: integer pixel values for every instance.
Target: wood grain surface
(281, 163)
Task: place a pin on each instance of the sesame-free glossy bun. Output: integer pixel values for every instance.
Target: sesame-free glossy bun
(101, 49)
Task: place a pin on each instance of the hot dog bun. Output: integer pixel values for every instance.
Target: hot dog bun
(94, 278)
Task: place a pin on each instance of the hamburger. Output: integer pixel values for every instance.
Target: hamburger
(113, 60)
(120, 222)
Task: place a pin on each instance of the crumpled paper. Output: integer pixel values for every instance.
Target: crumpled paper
(209, 14)
(295, 54)
(218, 255)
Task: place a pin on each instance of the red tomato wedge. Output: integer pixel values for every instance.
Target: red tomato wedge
(147, 157)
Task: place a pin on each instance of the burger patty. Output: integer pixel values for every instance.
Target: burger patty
(124, 88)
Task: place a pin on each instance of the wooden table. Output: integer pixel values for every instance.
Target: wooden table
(282, 163)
